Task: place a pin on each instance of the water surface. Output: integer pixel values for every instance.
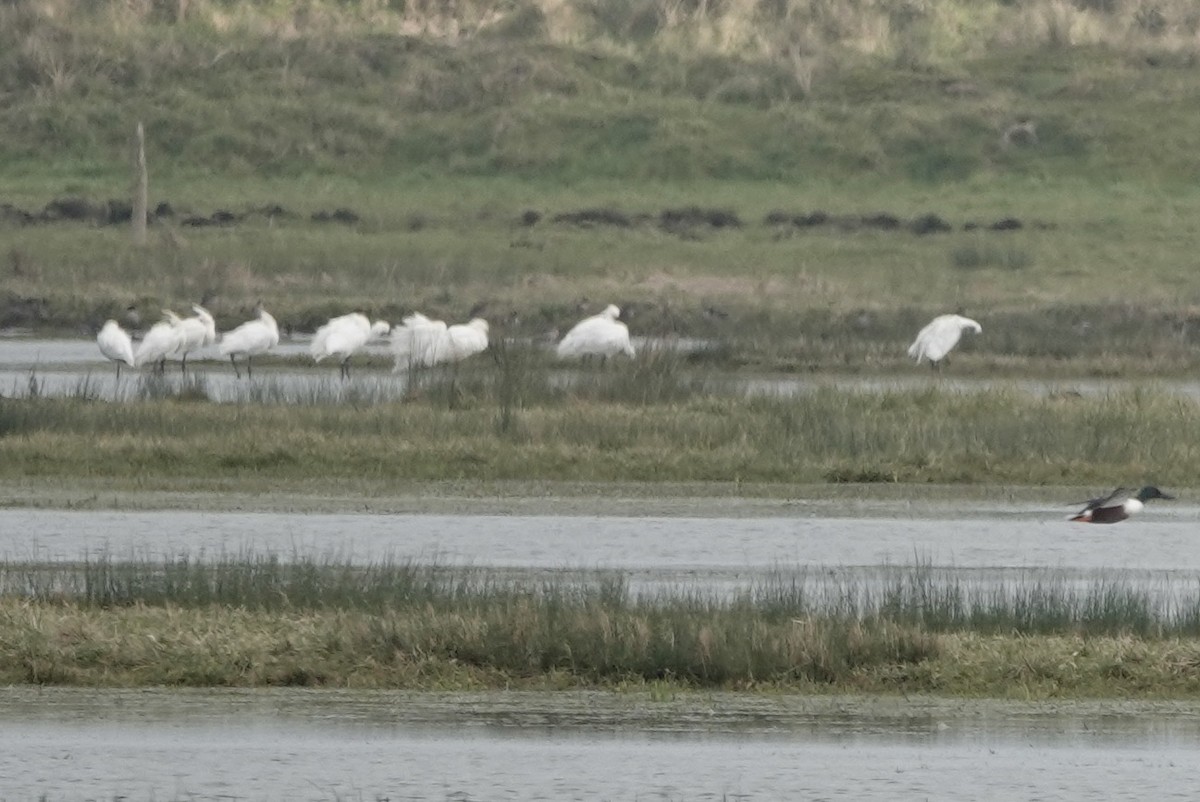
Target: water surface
(828, 557)
(1161, 539)
(316, 745)
(63, 367)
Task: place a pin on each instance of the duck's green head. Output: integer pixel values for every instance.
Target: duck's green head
(1150, 491)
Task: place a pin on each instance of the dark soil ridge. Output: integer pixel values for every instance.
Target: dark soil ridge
(689, 219)
(117, 212)
(685, 221)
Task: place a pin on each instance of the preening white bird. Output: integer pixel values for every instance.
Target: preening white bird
(463, 340)
(249, 339)
(600, 335)
(939, 337)
(422, 342)
(415, 342)
(162, 340)
(115, 344)
(195, 333)
(342, 336)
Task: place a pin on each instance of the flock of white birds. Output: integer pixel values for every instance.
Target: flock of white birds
(418, 342)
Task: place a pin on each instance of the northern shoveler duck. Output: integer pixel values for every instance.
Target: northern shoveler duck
(1118, 505)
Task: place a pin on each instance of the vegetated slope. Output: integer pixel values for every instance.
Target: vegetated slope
(581, 88)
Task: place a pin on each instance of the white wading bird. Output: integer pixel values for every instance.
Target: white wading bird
(162, 340)
(600, 335)
(196, 332)
(939, 337)
(252, 337)
(342, 336)
(115, 344)
(422, 342)
(415, 341)
(463, 340)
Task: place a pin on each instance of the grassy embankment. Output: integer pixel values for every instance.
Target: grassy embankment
(249, 621)
(646, 421)
(441, 133)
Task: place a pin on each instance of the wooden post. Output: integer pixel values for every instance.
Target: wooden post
(140, 187)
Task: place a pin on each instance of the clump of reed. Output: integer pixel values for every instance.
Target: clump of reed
(154, 386)
(394, 613)
(249, 619)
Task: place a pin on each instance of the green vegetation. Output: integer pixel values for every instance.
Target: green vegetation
(754, 173)
(800, 184)
(650, 421)
(248, 620)
(582, 90)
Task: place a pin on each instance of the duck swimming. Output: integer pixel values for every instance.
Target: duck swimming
(1118, 505)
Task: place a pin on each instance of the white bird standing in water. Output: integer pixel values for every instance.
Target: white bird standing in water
(342, 336)
(162, 340)
(196, 332)
(252, 337)
(415, 342)
(939, 337)
(599, 335)
(421, 341)
(115, 344)
(463, 340)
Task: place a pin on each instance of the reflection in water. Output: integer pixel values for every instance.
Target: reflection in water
(75, 367)
(79, 744)
(289, 385)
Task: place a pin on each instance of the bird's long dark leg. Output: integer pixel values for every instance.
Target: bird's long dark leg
(345, 368)
(249, 366)
(233, 362)
(183, 364)
(118, 371)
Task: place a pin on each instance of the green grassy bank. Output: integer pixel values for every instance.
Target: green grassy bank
(1063, 299)
(804, 182)
(247, 621)
(645, 422)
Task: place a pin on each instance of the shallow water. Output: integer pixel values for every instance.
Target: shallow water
(314, 745)
(829, 557)
(64, 367)
(77, 744)
(1161, 539)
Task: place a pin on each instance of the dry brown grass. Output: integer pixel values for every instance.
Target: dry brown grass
(795, 31)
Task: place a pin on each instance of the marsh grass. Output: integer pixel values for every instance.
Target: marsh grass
(253, 620)
(517, 375)
(927, 597)
(86, 389)
(824, 435)
(153, 386)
